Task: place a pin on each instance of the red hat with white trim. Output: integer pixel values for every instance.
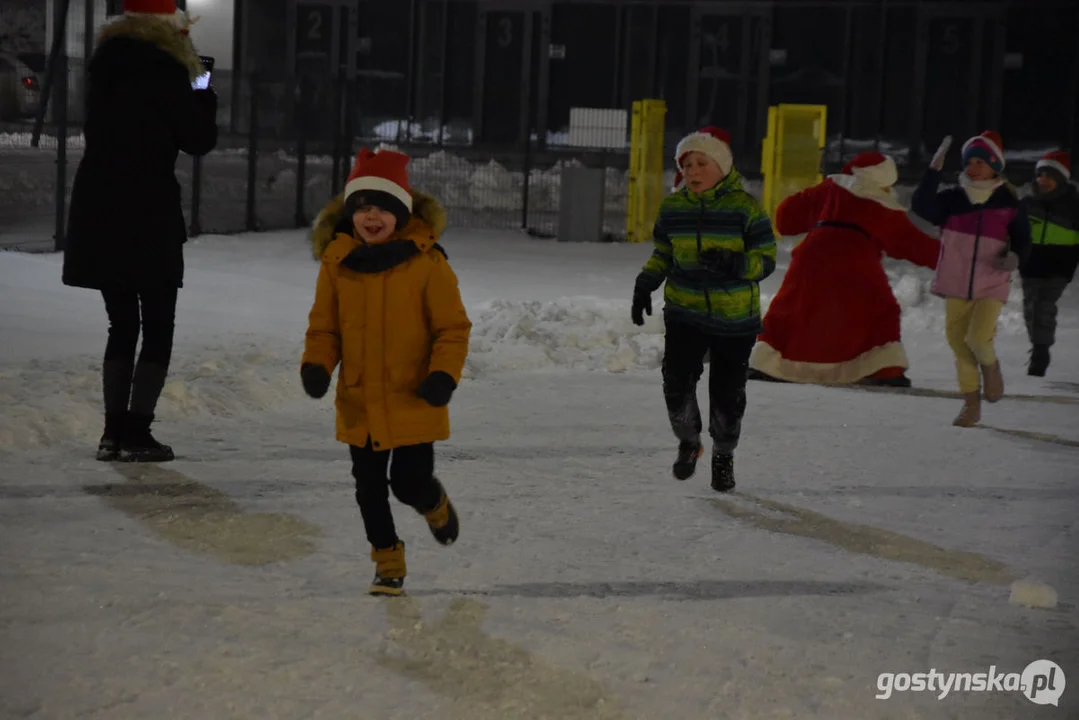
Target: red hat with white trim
(875, 167)
(380, 179)
(1058, 160)
(161, 9)
(711, 141)
(987, 147)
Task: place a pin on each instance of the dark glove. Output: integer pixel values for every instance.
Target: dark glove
(642, 297)
(316, 381)
(437, 389)
(728, 263)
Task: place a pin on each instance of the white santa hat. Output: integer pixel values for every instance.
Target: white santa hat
(711, 141)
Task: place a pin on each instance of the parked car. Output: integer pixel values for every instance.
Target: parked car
(21, 75)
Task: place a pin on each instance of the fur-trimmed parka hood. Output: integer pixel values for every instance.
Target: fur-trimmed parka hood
(162, 33)
(426, 227)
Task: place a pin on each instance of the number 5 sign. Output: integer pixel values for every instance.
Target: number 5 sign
(314, 30)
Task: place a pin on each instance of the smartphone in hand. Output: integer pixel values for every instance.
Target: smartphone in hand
(203, 81)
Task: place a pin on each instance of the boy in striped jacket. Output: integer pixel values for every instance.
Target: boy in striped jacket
(713, 246)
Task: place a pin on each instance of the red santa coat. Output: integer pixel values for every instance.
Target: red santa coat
(835, 319)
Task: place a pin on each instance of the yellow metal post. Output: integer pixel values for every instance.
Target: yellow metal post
(646, 189)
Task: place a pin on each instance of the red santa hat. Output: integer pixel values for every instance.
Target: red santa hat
(711, 141)
(874, 167)
(1058, 160)
(161, 9)
(988, 147)
(380, 179)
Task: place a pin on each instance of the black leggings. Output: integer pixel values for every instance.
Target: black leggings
(411, 477)
(154, 312)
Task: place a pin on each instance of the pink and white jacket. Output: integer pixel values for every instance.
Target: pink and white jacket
(973, 236)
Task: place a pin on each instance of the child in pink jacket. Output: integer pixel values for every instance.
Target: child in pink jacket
(984, 236)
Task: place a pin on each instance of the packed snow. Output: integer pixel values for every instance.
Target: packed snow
(867, 535)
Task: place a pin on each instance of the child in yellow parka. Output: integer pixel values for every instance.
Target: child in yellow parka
(388, 309)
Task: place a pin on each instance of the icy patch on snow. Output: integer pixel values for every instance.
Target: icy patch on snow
(1033, 594)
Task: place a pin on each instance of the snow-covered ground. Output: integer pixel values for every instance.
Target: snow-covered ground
(867, 536)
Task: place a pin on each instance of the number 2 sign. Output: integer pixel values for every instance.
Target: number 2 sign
(314, 30)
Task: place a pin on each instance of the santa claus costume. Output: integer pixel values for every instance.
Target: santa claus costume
(835, 319)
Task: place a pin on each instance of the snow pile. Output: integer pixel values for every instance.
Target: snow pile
(56, 401)
(571, 333)
(24, 141)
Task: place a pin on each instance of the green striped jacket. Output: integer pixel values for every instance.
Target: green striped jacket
(724, 217)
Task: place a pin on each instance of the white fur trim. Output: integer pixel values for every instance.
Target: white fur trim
(860, 186)
(769, 361)
(987, 141)
(710, 145)
(372, 182)
(1059, 167)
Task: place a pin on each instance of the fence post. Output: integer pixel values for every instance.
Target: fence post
(196, 197)
(350, 88)
(301, 150)
(527, 178)
(252, 154)
(60, 108)
(338, 102)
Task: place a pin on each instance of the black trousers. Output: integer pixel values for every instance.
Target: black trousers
(411, 477)
(1040, 298)
(683, 364)
(154, 313)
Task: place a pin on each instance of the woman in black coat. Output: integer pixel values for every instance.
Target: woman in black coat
(126, 225)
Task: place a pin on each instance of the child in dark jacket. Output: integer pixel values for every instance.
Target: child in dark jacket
(1054, 222)
(984, 237)
(713, 246)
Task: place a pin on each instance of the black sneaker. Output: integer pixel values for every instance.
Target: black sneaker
(139, 444)
(722, 472)
(391, 587)
(686, 462)
(1039, 361)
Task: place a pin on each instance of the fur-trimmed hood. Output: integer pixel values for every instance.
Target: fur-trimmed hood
(426, 210)
(160, 32)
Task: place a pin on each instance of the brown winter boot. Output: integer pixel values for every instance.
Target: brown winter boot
(971, 414)
(389, 570)
(442, 520)
(993, 382)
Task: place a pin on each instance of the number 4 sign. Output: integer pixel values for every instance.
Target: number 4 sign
(314, 30)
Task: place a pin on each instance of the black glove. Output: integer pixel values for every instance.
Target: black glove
(642, 297)
(728, 263)
(437, 389)
(316, 381)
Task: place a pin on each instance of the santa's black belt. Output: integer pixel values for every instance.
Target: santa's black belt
(845, 225)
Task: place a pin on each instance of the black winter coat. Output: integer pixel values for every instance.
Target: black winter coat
(126, 225)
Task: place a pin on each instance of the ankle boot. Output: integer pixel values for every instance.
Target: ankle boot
(685, 464)
(390, 570)
(139, 444)
(442, 520)
(108, 448)
(722, 472)
(992, 382)
(1039, 361)
(971, 413)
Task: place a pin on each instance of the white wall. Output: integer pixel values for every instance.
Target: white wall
(212, 34)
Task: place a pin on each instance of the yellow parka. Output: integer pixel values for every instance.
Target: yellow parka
(389, 328)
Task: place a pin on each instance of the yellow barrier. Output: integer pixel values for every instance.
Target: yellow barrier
(792, 151)
(646, 190)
